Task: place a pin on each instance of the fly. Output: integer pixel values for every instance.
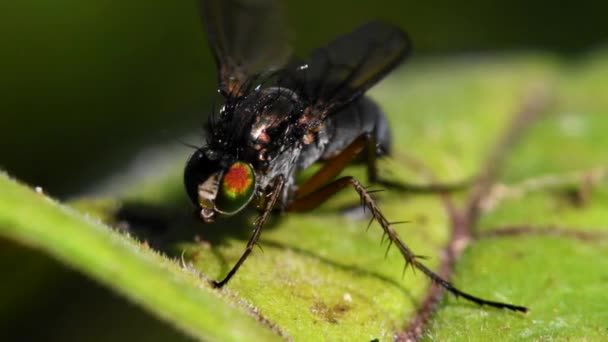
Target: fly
(280, 116)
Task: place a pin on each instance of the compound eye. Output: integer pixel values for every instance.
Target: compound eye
(199, 169)
(236, 188)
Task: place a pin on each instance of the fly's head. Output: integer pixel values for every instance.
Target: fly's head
(218, 186)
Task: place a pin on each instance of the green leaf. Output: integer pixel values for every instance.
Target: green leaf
(322, 276)
(147, 278)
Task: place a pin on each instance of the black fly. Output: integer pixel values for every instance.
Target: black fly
(281, 116)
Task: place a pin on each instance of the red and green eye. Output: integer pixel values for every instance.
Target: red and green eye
(236, 188)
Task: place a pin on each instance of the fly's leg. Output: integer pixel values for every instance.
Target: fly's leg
(372, 175)
(273, 195)
(315, 198)
(334, 166)
(316, 190)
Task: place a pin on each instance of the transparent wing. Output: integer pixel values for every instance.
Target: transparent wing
(247, 37)
(341, 72)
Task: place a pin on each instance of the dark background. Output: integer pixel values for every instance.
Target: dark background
(85, 84)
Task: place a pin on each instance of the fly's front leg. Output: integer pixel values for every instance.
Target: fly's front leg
(273, 195)
(315, 198)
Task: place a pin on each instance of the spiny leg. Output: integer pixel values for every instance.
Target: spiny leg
(312, 200)
(272, 196)
(433, 188)
(315, 191)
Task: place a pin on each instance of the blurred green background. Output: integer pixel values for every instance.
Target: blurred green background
(85, 84)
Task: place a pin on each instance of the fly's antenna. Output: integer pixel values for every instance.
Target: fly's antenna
(166, 135)
(192, 146)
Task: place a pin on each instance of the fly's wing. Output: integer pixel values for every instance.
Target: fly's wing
(247, 37)
(340, 73)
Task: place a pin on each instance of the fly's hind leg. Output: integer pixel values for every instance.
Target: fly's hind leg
(313, 199)
(320, 187)
(366, 142)
(372, 176)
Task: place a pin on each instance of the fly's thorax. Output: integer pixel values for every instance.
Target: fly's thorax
(273, 128)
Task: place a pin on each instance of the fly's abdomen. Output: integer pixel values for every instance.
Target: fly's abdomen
(362, 116)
